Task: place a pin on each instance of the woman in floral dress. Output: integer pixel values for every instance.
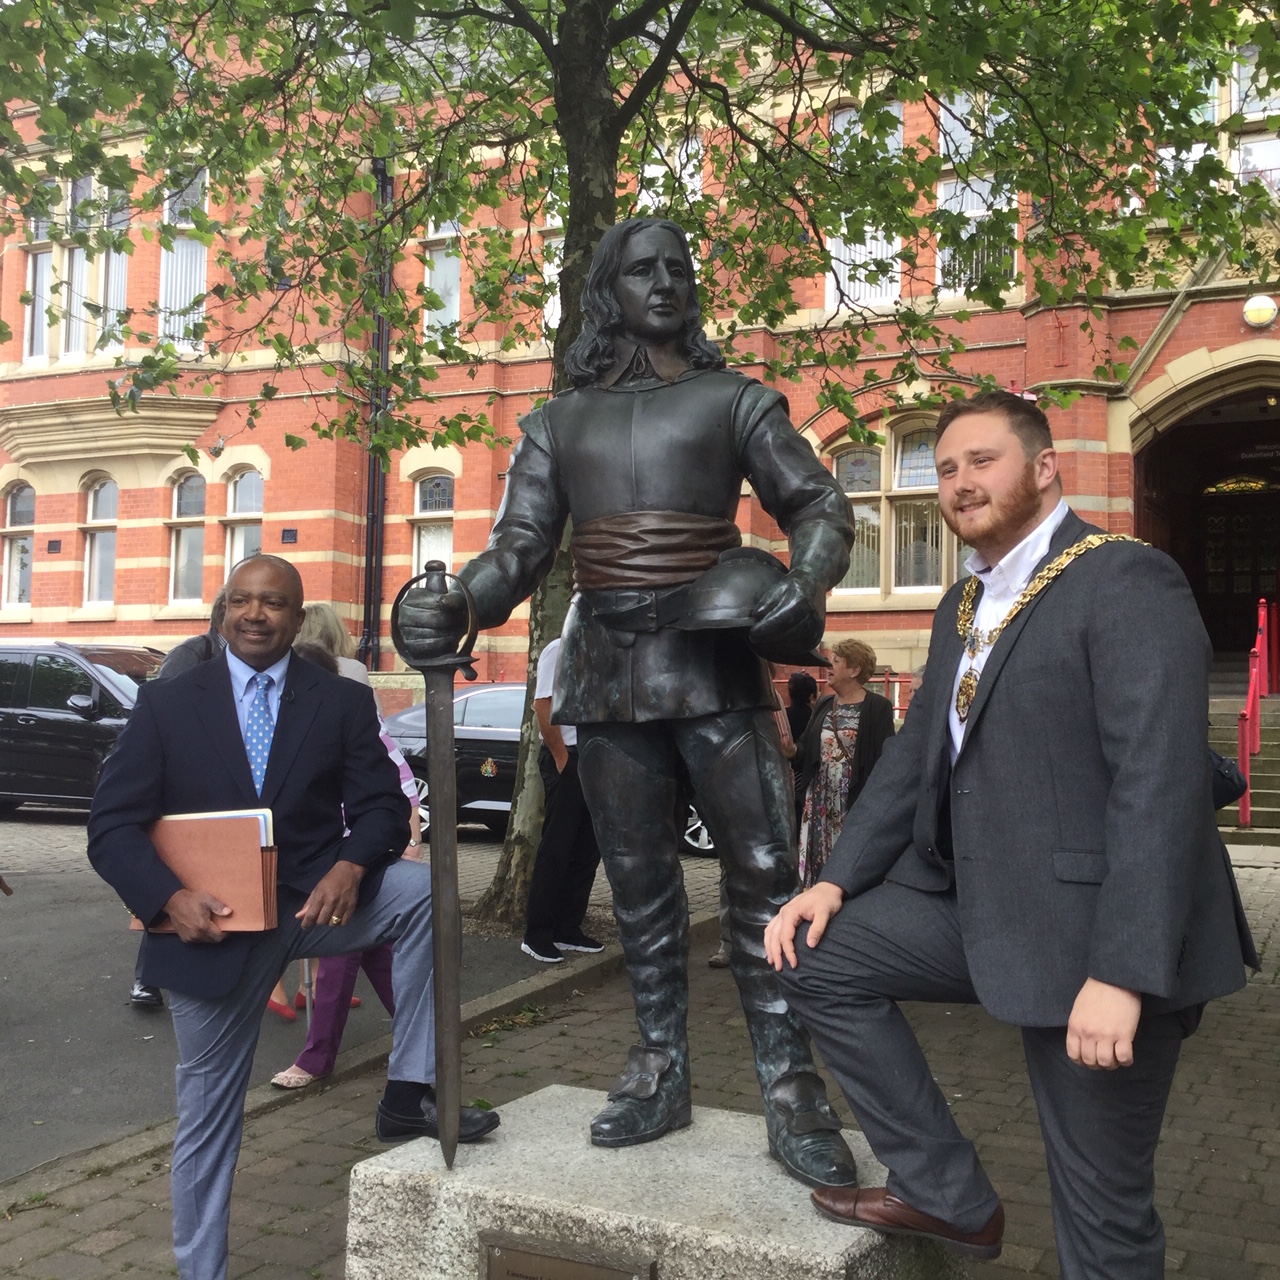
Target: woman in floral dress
(840, 746)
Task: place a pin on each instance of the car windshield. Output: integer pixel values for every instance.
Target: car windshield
(124, 669)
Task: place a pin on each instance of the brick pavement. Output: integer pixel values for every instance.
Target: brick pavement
(1219, 1163)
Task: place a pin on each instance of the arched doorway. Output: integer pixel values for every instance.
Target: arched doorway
(1207, 491)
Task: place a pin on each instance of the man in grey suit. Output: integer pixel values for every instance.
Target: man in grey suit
(1039, 838)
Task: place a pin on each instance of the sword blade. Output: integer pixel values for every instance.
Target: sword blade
(446, 910)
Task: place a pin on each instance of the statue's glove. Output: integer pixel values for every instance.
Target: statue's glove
(790, 613)
(432, 623)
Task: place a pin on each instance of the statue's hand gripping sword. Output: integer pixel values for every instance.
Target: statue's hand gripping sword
(442, 789)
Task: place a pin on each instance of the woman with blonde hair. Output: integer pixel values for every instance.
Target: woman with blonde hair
(322, 626)
(839, 748)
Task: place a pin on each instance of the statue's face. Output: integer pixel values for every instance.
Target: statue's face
(653, 285)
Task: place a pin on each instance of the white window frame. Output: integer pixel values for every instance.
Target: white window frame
(967, 191)
(689, 158)
(97, 529)
(434, 523)
(17, 533)
(180, 528)
(183, 269)
(888, 499)
(242, 526)
(38, 337)
(443, 246)
(863, 291)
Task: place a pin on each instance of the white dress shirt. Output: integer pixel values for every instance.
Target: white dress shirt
(243, 688)
(1002, 584)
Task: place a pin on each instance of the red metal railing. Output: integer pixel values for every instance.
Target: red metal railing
(1263, 666)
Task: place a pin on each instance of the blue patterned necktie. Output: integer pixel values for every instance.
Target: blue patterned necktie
(259, 726)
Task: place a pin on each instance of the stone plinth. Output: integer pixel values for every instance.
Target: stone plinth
(707, 1203)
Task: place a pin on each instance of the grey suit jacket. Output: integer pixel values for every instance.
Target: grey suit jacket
(1082, 824)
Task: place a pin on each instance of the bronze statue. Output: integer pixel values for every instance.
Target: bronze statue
(662, 659)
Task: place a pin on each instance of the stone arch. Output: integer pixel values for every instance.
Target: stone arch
(1195, 381)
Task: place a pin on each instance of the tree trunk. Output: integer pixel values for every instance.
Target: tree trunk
(588, 130)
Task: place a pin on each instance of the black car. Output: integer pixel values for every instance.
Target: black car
(486, 734)
(62, 706)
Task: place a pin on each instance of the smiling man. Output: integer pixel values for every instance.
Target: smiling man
(1040, 837)
(647, 454)
(261, 727)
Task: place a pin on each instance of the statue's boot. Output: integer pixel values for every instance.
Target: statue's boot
(650, 1098)
(627, 779)
(745, 798)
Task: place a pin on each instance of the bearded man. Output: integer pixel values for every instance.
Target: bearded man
(1040, 838)
(647, 455)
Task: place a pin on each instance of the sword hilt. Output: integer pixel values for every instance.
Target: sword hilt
(436, 579)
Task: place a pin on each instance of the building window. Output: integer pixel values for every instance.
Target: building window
(858, 472)
(865, 266)
(113, 277)
(433, 522)
(982, 248)
(671, 180)
(100, 543)
(244, 518)
(19, 541)
(444, 277)
(186, 540)
(75, 272)
(182, 267)
(899, 542)
(39, 286)
(917, 521)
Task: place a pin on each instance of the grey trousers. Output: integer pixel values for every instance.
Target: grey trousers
(1100, 1128)
(217, 1038)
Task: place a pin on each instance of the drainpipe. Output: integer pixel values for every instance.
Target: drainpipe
(375, 480)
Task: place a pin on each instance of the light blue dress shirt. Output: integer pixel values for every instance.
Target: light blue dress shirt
(243, 688)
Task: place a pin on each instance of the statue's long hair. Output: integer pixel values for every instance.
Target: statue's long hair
(592, 354)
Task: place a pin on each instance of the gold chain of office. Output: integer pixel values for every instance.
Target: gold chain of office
(975, 641)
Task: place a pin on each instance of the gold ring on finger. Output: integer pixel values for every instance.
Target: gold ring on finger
(335, 920)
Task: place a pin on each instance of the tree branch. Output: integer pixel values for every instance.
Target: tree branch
(656, 72)
(633, 24)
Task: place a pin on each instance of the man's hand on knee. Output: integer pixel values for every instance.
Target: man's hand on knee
(195, 915)
(1103, 1023)
(334, 899)
(817, 906)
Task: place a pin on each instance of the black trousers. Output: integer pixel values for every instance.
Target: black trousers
(1100, 1128)
(565, 867)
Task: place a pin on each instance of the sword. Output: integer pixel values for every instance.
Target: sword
(442, 791)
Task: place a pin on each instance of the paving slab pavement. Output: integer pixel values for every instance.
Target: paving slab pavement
(106, 1214)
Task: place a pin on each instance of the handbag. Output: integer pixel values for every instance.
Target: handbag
(1228, 782)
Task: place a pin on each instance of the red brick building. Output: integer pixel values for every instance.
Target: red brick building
(112, 533)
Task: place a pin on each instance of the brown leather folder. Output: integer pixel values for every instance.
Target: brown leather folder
(222, 854)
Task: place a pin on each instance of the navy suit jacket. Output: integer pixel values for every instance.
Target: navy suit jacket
(182, 752)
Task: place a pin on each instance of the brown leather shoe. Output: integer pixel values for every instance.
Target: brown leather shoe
(874, 1207)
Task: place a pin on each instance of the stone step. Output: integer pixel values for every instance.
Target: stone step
(1250, 835)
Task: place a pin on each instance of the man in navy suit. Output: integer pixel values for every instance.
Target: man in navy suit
(260, 727)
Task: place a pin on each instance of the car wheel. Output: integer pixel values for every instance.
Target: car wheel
(424, 807)
(697, 839)
(8, 806)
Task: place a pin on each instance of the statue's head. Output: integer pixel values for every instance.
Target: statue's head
(605, 318)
